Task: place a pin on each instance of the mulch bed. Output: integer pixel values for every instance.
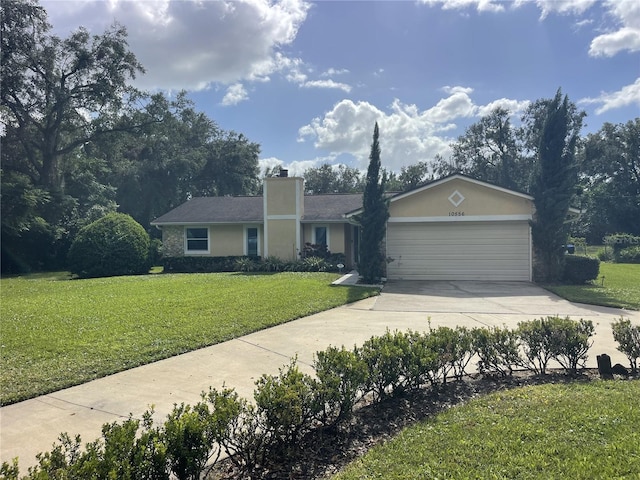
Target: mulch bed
(325, 452)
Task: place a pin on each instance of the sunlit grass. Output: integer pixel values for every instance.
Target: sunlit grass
(617, 286)
(58, 332)
(561, 431)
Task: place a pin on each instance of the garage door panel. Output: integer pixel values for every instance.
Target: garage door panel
(459, 251)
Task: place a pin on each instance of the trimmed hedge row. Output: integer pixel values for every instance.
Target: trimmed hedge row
(251, 264)
(290, 404)
(579, 269)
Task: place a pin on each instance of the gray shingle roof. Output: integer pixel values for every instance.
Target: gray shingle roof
(204, 210)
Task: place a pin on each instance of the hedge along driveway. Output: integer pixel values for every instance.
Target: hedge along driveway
(61, 333)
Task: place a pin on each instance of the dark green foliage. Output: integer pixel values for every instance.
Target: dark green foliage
(289, 406)
(629, 255)
(332, 179)
(189, 434)
(579, 269)
(570, 342)
(342, 375)
(385, 357)
(535, 339)
(198, 264)
(373, 219)
(554, 184)
(114, 245)
(628, 338)
(497, 349)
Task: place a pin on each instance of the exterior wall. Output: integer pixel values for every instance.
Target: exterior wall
(226, 240)
(281, 238)
(173, 241)
(283, 210)
(337, 235)
(478, 200)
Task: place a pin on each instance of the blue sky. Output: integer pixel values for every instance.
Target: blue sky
(307, 80)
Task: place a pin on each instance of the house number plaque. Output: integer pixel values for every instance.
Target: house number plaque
(456, 214)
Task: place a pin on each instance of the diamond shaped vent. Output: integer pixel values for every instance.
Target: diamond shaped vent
(456, 198)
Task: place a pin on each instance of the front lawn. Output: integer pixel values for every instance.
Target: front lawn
(618, 285)
(562, 431)
(58, 332)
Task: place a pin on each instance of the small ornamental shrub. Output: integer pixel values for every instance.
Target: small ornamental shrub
(113, 245)
(629, 255)
(385, 357)
(535, 338)
(628, 338)
(497, 349)
(579, 270)
(570, 342)
(342, 376)
(289, 405)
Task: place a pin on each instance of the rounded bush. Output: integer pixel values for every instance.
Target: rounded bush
(113, 245)
(579, 269)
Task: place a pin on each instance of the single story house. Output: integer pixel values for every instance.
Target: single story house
(455, 228)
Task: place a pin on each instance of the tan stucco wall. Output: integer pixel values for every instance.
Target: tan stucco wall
(225, 240)
(479, 200)
(282, 194)
(282, 239)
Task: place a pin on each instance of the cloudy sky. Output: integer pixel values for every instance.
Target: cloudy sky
(308, 80)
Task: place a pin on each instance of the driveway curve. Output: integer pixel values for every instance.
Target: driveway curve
(30, 427)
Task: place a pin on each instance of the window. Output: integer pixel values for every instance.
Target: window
(252, 241)
(320, 236)
(197, 240)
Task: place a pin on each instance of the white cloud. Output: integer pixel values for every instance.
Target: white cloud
(515, 107)
(407, 134)
(480, 5)
(563, 7)
(627, 37)
(626, 96)
(194, 44)
(334, 71)
(326, 84)
(236, 93)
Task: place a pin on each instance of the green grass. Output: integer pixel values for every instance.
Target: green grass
(561, 431)
(619, 288)
(57, 332)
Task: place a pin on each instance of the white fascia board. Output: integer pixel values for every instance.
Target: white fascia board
(466, 218)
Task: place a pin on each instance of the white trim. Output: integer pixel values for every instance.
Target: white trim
(245, 238)
(463, 178)
(466, 218)
(282, 217)
(186, 243)
(265, 222)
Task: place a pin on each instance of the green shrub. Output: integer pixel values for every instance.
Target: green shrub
(497, 349)
(570, 342)
(197, 264)
(386, 358)
(628, 338)
(246, 264)
(288, 403)
(535, 339)
(113, 245)
(605, 255)
(579, 269)
(342, 376)
(189, 434)
(629, 255)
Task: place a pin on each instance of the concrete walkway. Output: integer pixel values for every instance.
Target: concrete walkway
(32, 426)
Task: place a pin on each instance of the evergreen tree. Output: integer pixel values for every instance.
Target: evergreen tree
(554, 185)
(373, 219)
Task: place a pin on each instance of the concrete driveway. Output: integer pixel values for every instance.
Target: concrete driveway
(30, 427)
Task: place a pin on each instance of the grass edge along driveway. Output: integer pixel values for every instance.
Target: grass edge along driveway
(58, 333)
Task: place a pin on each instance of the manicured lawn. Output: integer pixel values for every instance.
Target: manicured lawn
(58, 332)
(561, 431)
(619, 288)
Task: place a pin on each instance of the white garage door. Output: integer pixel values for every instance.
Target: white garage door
(459, 251)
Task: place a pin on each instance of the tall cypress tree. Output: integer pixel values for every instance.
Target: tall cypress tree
(554, 185)
(373, 219)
